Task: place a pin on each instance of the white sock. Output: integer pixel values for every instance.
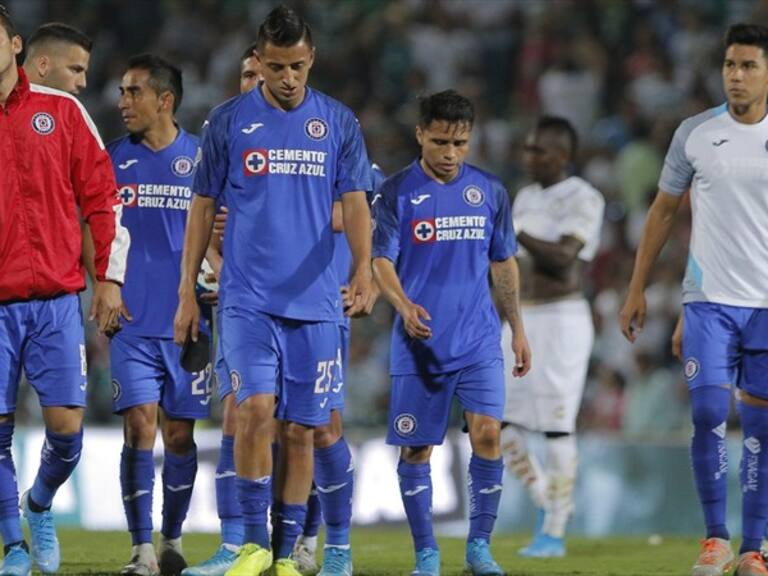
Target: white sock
(169, 543)
(523, 464)
(309, 542)
(145, 552)
(562, 459)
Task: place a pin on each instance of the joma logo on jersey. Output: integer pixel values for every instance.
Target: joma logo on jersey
(129, 195)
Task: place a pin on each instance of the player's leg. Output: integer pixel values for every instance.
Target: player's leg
(711, 342)
(310, 351)
(16, 561)
(54, 361)
(480, 389)
(137, 373)
(419, 408)
(249, 343)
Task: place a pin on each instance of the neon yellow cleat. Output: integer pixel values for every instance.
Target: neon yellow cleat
(285, 567)
(252, 560)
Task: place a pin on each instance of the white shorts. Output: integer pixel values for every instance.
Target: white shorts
(560, 335)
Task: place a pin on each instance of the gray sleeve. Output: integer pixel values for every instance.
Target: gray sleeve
(677, 174)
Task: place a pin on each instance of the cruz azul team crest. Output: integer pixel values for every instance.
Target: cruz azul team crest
(316, 129)
(43, 123)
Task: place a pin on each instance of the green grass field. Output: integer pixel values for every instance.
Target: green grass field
(379, 552)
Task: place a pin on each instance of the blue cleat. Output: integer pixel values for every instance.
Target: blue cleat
(336, 562)
(427, 563)
(478, 560)
(44, 544)
(216, 565)
(16, 562)
(544, 546)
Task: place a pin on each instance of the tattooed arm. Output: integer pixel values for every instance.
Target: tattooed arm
(506, 282)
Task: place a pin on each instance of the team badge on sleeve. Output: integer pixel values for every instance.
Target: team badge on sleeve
(43, 123)
(405, 424)
(182, 166)
(255, 162)
(316, 129)
(473, 196)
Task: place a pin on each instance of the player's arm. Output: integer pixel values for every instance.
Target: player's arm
(656, 232)
(412, 313)
(551, 257)
(88, 256)
(357, 227)
(214, 254)
(506, 282)
(96, 193)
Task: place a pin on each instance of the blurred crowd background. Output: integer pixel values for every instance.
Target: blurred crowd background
(625, 72)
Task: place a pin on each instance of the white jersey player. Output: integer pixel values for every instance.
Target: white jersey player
(558, 220)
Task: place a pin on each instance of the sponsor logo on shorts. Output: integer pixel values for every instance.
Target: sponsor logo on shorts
(473, 196)
(405, 424)
(43, 123)
(235, 380)
(182, 166)
(116, 390)
(316, 129)
(691, 368)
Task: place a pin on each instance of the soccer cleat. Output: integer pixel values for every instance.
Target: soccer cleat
(143, 561)
(427, 563)
(170, 558)
(305, 558)
(478, 560)
(252, 560)
(216, 565)
(336, 562)
(285, 567)
(751, 564)
(543, 546)
(715, 558)
(764, 548)
(17, 561)
(44, 544)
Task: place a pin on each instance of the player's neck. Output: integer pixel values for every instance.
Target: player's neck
(284, 106)
(549, 182)
(435, 176)
(160, 136)
(8, 82)
(749, 114)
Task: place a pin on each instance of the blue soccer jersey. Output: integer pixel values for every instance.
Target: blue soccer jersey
(282, 171)
(155, 189)
(442, 238)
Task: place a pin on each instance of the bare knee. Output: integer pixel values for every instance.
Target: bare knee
(255, 416)
(485, 436)
(63, 419)
(416, 454)
(294, 435)
(140, 426)
(329, 434)
(178, 437)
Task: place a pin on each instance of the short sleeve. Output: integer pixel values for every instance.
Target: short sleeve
(212, 158)
(503, 240)
(386, 231)
(677, 174)
(353, 170)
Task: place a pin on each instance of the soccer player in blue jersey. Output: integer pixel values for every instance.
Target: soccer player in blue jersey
(281, 154)
(441, 225)
(720, 155)
(154, 165)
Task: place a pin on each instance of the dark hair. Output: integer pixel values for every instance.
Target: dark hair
(283, 27)
(249, 51)
(449, 106)
(561, 127)
(57, 31)
(6, 22)
(749, 34)
(163, 76)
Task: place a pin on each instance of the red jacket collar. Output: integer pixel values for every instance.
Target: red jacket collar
(19, 91)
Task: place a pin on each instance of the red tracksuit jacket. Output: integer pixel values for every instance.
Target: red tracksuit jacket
(52, 163)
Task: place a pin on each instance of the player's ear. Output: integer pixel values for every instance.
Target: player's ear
(42, 64)
(419, 135)
(16, 44)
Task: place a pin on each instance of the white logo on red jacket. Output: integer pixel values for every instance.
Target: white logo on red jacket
(43, 123)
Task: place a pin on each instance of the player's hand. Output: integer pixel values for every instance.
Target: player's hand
(359, 293)
(375, 293)
(521, 351)
(632, 315)
(211, 298)
(187, 320)
(220, 222)
(107, 307)
(412, 315)
(677, 339)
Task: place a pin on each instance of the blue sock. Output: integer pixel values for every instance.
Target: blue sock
(314, 514)
(288, 525)
(232, 530)
(10, 525)
(416, 492)
(335, 480)
(137, 481)
(178, 480)
(255, 497)
(484, 496)
(709, 457)
(754, 476)
(60, 455)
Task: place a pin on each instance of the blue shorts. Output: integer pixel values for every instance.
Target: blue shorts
(220, 370)
(147, 371)
(292, 359)
(336, 393)
(420, 405)
(46, 339)
(726, 345)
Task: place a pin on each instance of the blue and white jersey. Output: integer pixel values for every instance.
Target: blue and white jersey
(442, 238)
(155, 188)
(725, 164)
(282, 171)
